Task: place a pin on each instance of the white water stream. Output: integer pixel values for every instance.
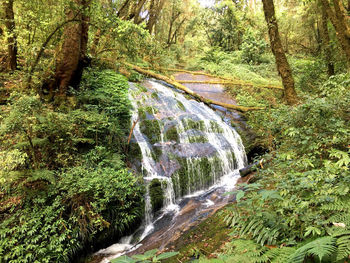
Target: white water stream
(211, 162)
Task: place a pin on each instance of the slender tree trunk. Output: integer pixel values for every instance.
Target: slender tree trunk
(70, 63)
(339, 23)
(11, 35)
(123, 11)
(326, 42)
(154, 11)
(136, 12)
(280, 56)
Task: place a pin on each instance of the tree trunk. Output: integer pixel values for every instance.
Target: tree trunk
(326, 42)
(280, 56)
(72, 58)
(154, 11)
(342, 30)
(123, 12)
(136, 12)
(11, 35)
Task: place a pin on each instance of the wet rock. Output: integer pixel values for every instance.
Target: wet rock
(192, 150)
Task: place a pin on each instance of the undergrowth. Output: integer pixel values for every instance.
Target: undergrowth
(298, 208)
(64, 184)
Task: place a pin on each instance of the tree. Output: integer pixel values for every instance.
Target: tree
(156, 7)
(337, 15)
(73, 54)
(283, 66)
(11, 35)
(326, 42)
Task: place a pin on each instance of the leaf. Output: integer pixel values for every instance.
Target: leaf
(167, 255)
(240, 195)
(123, 259)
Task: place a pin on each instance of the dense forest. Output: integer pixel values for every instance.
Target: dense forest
(72, 74)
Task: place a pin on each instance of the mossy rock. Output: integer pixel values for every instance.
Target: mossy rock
(190, 124)
(134, 151)
(156, 153)
(151, 129)
(180, 105)
(141, 87)
(171, 134)
(201, 177)
(156, 194)
(198, 139)
(142, 113)
(215, 127)
(155, 96)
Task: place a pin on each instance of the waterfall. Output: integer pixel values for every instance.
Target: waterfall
(185, 147)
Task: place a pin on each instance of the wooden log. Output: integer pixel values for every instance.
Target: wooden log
(189, 91)
(251, 168)
(232, 82)
(229, 80)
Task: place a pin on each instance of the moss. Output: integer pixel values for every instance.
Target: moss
(155, 96)
(172, 135)
(134, 152)
(214, 126)
(142, 113)
(135, 76)
(196, 125)
(200, 174)
(156, 194)
(198, 139)
(151, 129)
(141, 88)
(156, 153)
(151, 109)
(180, 105)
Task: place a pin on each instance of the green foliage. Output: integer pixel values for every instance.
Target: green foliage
(64, 183)
(321, 248)
(149, 256)
(252, 48)
(302, 197)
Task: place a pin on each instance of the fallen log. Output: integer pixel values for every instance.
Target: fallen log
(240, 83)
(189, 91)
(252, 168)
(233, 80)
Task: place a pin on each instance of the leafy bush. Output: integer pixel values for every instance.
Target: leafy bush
(302, 197)
(64, 183)
(252, 48)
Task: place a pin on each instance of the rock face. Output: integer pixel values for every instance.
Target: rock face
(183, 144)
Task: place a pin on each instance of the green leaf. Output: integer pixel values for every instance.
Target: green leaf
(167, 255)
(123, 259)
(240, 195)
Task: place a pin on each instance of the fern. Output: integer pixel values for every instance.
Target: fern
(321, 247)
(343, 244)
(255, 227)
(279, 255)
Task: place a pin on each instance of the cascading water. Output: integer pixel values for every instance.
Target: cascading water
(184, 147)
(184, 144)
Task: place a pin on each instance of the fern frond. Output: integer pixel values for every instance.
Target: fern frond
(321, 247)
(343, 244)
(279, 255)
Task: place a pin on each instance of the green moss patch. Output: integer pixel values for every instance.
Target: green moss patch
(156, 194)
(151, 129)
(172, 135)
(197, 176)
(215, 127)
(191, 124)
